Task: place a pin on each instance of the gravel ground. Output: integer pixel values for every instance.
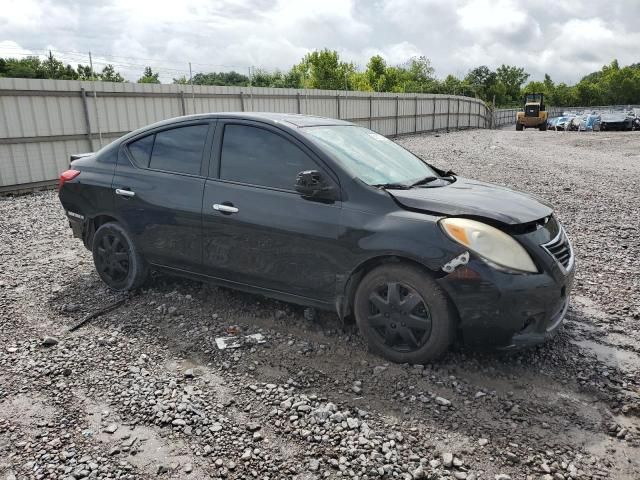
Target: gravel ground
(143, 392)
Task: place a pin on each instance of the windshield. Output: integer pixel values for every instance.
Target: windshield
(369, 156)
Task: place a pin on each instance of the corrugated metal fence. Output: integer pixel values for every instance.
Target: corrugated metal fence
(507, 116)
(42, 122)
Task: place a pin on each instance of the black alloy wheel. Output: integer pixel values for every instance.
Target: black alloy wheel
(116, 259)
(403, 314)
(399, 316)
(112, 258)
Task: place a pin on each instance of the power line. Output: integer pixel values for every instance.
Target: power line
(130, 59)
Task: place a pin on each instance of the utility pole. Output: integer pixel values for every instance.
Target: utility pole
(193, 95)
(95, 99)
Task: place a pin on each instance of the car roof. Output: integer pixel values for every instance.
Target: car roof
(291, 119)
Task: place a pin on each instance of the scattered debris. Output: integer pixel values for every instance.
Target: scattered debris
(97, 313)
(236, 342)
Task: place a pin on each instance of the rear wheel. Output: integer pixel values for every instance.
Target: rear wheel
(116, 258)
(403, 314)
(543, 127)
(519, 127)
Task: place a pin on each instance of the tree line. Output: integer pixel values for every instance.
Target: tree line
(324, 69)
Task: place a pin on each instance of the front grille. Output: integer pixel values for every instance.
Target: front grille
(560, 249)
(531, 111)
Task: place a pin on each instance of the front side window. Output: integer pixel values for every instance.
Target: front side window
(259, 157)
(369, 156)
(179, 149)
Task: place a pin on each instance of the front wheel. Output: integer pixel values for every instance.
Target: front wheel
(403, 314)
(117, 261)
(519, 127)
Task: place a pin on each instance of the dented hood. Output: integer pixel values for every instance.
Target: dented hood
(466, 197)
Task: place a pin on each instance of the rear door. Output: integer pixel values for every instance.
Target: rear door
(266, 234)
(158, 186)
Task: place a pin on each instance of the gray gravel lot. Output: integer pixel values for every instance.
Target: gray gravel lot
(143, 392)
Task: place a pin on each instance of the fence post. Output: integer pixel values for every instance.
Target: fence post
(433, 116)
(448, 111)
(298, 99)
(469, 123)
(397, 113)
(338, 104)
(241, 101)
(458, 115)
(415, 116)
(87, 119)
(370, 110)
(182, 104)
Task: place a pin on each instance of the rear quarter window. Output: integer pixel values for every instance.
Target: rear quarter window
(140, 150)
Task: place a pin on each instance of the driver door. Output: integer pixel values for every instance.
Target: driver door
(257, 230)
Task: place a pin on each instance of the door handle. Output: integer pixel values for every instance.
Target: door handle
(225, 208)
(125, 193)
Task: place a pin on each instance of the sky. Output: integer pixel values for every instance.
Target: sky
(566, 39)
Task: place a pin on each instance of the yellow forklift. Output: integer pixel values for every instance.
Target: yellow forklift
(534, 114)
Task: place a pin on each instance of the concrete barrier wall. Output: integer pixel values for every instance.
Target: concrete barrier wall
(42, 122)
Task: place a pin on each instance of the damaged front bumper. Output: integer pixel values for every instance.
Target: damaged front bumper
(508, 311)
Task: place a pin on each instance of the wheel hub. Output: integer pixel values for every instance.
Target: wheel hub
(112, 258)
(399, 316)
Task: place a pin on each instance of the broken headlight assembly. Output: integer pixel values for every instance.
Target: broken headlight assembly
(494, 246)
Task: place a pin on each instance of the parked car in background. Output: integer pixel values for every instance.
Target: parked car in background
(325, 213)
(552, 122)
(616, 121)
(562, 123)
(590, 123)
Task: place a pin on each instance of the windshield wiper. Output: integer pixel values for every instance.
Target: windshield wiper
(393, 186)
(424, 181)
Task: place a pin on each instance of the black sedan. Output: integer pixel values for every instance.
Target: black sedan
(325, 213)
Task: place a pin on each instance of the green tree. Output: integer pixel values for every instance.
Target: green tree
(482, 81)
(375, 73)
(55, 69)
(453, 85)
(109, 74)
(29, 67)
(512, 78)
(85, 72)
(418, 75)
(323, 69)
(149, 76)
(231, 78)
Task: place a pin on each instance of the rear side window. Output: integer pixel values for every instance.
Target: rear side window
(259, 157)
(179, 149)
(141, 150)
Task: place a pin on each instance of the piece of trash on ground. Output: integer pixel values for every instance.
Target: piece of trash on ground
(233, 329)
(236, 342)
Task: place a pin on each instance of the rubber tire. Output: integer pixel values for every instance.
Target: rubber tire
(543, 127)
(138, 267)
(443, 317)
(519, 127)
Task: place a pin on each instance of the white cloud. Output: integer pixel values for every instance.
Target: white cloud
(552, 36)
(487, 17)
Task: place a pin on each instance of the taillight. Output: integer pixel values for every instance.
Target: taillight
(66, 176)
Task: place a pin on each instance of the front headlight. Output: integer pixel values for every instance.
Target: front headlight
(490, 243)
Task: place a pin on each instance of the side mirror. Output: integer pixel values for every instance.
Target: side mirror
(312, 186)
